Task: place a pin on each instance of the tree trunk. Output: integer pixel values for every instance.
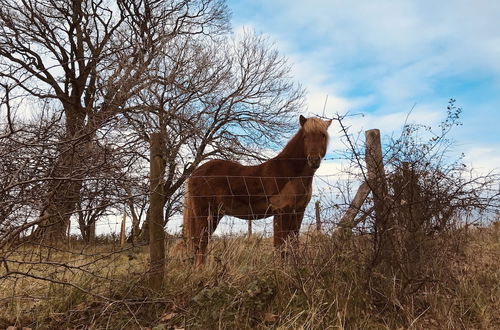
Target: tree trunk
(91, 233)
(63, 191)
(135, 230)
(156, 231)
(144, 235)
(84, 229)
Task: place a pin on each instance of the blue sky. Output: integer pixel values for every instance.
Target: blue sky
(381, 58)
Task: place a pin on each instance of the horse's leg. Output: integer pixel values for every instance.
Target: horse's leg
(286, 230)
(295, 222)
(283, 228)
(279, 230)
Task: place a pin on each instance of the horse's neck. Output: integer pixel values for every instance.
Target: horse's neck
(291, 161)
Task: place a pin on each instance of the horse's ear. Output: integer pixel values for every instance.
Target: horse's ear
(302, 120)
(328, 123)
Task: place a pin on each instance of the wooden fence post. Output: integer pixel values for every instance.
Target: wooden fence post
(249, 228)
(92, 233)
(318, 215)
(156, 231)
(69, 234)
(122, 231)
(377, 182)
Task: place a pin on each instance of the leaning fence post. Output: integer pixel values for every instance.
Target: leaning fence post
(347, 222)
(156, 231)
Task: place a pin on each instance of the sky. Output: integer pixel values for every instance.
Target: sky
(383, 58)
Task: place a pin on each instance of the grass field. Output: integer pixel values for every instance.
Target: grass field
(328, 283)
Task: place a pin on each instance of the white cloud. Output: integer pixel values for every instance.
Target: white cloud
(483, 160)
(381, 58)
(397, 45)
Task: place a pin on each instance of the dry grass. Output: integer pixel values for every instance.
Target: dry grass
(325, 284)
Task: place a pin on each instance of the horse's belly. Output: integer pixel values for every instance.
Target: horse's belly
(245, 209)
(292, 197)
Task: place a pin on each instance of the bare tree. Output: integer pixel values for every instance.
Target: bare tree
(220, 97)
(102, 190)
(27, 152)
(89, 58)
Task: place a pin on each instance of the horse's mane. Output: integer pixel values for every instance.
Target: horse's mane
(315, 125)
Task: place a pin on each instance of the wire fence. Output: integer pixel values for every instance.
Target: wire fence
(262, 223)
(111, 275)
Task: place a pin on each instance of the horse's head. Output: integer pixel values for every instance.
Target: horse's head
(315, 135)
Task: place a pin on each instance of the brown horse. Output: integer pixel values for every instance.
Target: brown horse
(280, 187)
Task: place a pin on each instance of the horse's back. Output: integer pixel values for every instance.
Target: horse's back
(217, 167)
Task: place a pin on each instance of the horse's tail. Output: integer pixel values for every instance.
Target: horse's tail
(182, 247)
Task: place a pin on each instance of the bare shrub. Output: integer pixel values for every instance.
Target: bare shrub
(431, 201)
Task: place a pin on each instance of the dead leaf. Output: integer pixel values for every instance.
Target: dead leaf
(270, 317)
(168, 316)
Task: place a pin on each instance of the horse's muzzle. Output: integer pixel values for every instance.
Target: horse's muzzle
(313, 161)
